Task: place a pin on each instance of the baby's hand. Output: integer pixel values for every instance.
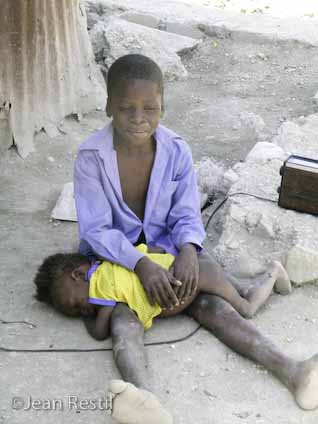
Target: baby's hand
(155, 249)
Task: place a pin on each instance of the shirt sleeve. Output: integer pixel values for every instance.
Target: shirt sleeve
(184, 219)
(95, 215)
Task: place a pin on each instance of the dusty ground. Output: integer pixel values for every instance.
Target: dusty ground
(226, 78)
(279, 8)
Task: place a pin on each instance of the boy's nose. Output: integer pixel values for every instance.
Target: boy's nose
(137, 116)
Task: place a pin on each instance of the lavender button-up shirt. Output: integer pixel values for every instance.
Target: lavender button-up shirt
(108, 227)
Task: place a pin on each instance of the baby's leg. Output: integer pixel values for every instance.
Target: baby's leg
(275, 276)
(133, 402)
(136, 406)
(212, 280)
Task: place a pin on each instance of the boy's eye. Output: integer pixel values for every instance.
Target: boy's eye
(124, 108)
(151, 108)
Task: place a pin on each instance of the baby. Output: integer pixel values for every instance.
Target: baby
(76, 287)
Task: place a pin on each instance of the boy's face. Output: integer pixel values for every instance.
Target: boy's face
(136, 107)
(73, 293)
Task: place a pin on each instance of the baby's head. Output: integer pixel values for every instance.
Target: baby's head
(135, 96)
(61, 282)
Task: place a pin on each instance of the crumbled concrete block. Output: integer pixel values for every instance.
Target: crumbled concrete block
(255, 229)
(299, 137)
(116, 37)
(64, 209)
(302, 265)
(264, 151)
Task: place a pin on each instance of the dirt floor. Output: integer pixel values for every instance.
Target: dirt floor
(231, 84)
(279, 8)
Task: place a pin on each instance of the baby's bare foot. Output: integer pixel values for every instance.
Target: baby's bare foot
(306, 386)
(282, 283)
(136, 406)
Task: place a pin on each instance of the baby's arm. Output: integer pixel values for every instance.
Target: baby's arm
(98, 327)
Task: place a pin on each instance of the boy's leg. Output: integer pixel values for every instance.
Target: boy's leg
(212, 280)
(218, 316)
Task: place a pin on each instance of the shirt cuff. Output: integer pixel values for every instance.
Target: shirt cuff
(190, 239)
(132, 258)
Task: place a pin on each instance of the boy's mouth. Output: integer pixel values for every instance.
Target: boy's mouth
(133, 131)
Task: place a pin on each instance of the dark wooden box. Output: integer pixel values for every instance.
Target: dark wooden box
(299, 184)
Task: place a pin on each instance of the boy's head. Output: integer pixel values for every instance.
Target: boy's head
(61, 282)
(135, 96)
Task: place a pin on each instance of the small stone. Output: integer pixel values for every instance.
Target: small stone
(261, 56)
(243, 414)
(209, 394)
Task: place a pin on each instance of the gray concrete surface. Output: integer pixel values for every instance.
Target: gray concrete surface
(199, 380)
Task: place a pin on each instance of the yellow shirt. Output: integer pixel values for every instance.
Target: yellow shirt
(114, 282)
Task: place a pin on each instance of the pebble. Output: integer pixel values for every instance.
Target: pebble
(209, 394)
(262, 56)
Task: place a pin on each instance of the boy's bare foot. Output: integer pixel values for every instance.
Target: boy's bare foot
(277, 277)
(282, 283)
(306, 385)
(136, 406)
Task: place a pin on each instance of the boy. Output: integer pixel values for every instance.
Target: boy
(75, 287)
(134, 183)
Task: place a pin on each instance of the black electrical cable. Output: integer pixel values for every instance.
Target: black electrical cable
(5, 349)
(232, 195)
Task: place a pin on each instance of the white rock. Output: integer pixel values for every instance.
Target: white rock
(64, 209)
(299, 138)
(264, 151)
(257, 231)
(116, 37)
(302, 265)
(209, 174)
(255, 123)
(228, 179)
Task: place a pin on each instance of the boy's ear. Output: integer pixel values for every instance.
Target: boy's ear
(108, 109)
(77, 274)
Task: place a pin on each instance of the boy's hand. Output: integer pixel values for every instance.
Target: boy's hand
(186, 269)
(157, 283)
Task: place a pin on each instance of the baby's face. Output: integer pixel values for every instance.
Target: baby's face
(136, 110)
(72, 296)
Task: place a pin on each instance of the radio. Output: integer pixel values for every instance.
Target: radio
(299, 184)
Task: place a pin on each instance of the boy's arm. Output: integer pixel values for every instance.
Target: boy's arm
(184, 219)
(185, 226)
(98, 327)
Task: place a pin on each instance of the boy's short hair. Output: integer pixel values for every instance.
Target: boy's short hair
(133, 66)
(50, 272)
